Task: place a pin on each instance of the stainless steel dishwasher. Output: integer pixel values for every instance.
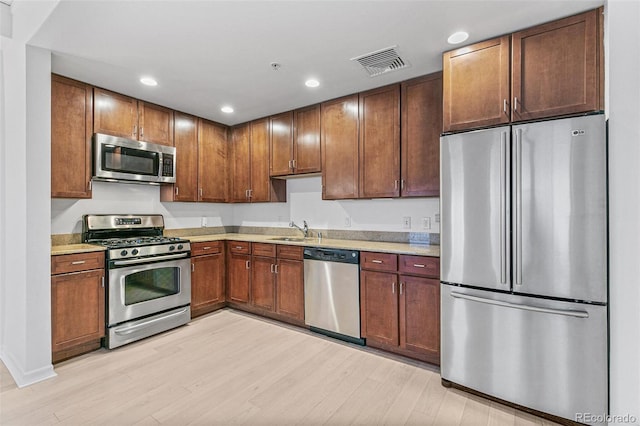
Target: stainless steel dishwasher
(332, 293)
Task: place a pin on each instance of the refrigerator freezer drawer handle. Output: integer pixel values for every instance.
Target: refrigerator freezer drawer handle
(569, 313)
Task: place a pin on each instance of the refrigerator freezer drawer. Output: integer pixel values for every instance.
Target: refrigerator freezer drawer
(547, 355)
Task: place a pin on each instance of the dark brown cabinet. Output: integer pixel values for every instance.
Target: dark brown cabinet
(77, 304)
(421, 125)
(238, 272)
(187, 154)
(400, 304)
(295, 142)
(207, 277)
(555, 69)
(122, 116)
(339, 147)
(263, 282)
(212, 161)
(250, 165)
(380, 142)
(71, 127)
(290, 282)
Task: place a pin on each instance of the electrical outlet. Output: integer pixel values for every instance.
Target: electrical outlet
(426, 223)
(406, 222)
(347, 222)
(203, 221)
(437, 217)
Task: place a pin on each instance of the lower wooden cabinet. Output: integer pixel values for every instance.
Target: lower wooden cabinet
(263, 282)
(77, 304)
(239, 273)
(400, 311)
(207, 278)
(290, 282)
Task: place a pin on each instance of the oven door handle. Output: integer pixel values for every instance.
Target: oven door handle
(133, 328)
(149, 259)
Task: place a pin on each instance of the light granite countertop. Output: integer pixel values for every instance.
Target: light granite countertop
(377, 246)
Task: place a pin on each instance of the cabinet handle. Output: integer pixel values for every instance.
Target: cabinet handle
(200, 192)
(79, 262)
(177, 190)
(417, 265)
(141, 131)
(206, 248)
(395, 184)
(90, 184)
(515, 103)
(103, 281)
(238, 247)
(276, 269)
(193, 267)
(393, 288)
(294, 164)
(272, 268)
(250, 193)
(247, 264)
(504, 106)
(290, 164)
(401, 183)
(376, 261)
(135, 130)
(401, 287)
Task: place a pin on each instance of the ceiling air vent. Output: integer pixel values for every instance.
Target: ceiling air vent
(381, 61)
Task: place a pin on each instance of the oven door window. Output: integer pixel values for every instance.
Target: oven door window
(151, 284)
(130, 160)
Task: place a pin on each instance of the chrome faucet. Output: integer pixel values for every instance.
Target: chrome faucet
(304, 229)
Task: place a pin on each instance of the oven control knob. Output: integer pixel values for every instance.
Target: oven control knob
(124, 253)
(134, 252)
(180, 246)
(172, 248)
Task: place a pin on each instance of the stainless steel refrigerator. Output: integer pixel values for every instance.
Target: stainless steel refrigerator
(524, 264)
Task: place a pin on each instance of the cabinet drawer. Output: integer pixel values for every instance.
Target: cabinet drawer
(290, 252)
(262, 249)
(379, 261)
(208, 247)
(239, 247)
(65, 263)
(420, 265)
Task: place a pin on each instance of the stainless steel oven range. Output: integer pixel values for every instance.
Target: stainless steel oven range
(148, 275)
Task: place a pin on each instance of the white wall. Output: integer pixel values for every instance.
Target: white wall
(304, 202)
(623, 106)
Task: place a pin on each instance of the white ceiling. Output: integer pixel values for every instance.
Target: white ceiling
(206, 54)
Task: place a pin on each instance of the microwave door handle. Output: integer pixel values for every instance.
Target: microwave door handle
(149, 259)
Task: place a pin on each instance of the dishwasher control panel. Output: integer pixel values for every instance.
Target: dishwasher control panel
(332, 255)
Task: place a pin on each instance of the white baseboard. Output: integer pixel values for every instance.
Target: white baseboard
(25, 378)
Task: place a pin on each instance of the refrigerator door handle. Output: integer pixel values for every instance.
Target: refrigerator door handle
(565, 312)
(518, 207)
(503, 207)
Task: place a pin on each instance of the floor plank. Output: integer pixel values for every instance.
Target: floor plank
(231, 367)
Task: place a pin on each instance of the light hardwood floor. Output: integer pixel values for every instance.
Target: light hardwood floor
(234, 368)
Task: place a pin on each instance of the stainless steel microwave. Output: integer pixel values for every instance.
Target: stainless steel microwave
(120, 159)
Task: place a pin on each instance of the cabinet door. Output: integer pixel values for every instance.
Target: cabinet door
(240, 163)
(262, 282)
(379, 307)
(281, 144)
(306, 140)
(186, 143)
(290, 288)
(420, 315)
(339, 146)
(115, 114)
(71, 127)
(380, 142)
(156, 124)
(207, 282)
(239, 269)
(476, 85)
(77, 308)
(212, 161)
(420, 143)
(555, 68)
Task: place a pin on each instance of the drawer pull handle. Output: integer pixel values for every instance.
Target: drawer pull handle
(376, 261)
(417, 265)
(79, 262)
(206, 248)
(239, 247)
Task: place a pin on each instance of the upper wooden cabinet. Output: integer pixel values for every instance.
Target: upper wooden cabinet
(476, 85)
(186, 143)
(555, 69)
(421, 125)
(250, 180)
(212, 161)
(71, 127)
(339, 147)
(295, 142)
(119, 115)
(380, 142)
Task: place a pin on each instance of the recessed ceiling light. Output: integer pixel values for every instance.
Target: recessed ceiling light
(312, 83)
(458, 37)
(226, 109)
(148, 81)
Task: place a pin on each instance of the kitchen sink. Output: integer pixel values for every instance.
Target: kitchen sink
(294, 239)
